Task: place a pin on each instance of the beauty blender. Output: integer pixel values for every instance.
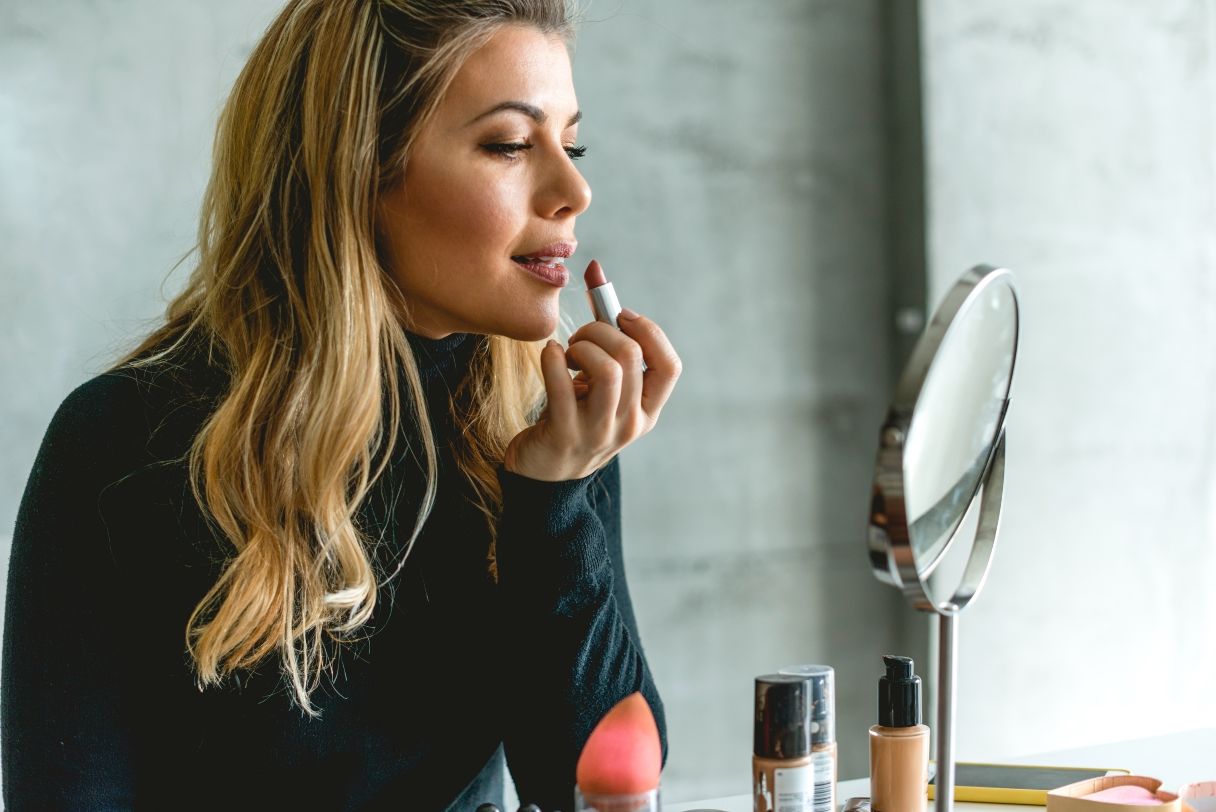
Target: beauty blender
(623, 756)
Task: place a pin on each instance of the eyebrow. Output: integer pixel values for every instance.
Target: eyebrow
(530, 110)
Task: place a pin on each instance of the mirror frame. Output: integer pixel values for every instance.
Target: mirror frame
(889, 537)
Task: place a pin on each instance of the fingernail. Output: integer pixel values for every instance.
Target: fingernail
(627, 313)
(550, 344)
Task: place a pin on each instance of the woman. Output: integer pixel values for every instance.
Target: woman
(342, 531)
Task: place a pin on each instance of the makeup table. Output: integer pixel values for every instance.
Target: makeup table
(1176, 758)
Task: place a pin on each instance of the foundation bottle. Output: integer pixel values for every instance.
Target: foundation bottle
(793, 743)
(899, 743)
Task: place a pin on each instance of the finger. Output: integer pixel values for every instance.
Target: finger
(603, 386)
(597, 332)
(627, 353)
(663, 365)
(562, 408)
(591, 329)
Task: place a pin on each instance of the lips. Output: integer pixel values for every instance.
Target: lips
(554, 272)
(548, 255)
(548, 262)
(551, 262)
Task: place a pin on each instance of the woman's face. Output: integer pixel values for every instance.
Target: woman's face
(490, 177)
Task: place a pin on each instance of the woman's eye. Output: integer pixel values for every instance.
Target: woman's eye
(508, 150)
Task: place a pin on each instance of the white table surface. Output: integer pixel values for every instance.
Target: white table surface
(1176, 759)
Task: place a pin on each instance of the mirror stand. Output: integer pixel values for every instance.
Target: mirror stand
(947, 649)
(947, 611)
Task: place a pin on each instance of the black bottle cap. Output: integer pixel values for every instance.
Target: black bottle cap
(783, 717)
(898, 693)
(822, 679)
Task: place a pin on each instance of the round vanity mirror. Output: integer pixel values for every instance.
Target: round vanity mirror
(941, 458)
(943, 441)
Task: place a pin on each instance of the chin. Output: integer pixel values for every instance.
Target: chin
(537, 327)
(532, 333)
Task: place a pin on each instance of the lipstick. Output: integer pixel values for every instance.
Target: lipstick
(605, 306)
(602, 296)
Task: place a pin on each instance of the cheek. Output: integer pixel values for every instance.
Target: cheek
(472, 214)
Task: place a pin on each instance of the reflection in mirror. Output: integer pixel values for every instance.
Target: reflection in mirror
(956, 419)
(943, 436)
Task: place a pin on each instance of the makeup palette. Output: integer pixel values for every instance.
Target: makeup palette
(1113, 793)
(1199, 796)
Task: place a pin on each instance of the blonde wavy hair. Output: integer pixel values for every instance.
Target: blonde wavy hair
(290, 296)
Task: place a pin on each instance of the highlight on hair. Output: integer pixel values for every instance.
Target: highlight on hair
(291, 299)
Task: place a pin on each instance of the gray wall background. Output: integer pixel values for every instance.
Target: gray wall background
(745, 157)
(1075, 142)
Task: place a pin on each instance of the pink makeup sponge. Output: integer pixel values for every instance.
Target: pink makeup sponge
(623, 756)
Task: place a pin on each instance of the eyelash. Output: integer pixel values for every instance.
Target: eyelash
(510, 150)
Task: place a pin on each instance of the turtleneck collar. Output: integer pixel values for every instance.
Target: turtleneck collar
(442, 356)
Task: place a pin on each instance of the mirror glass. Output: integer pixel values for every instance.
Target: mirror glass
(957, 417)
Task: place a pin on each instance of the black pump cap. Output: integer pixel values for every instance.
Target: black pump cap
(783, 716)
(898, 693)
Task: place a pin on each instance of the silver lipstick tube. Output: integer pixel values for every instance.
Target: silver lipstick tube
(604, 304)
(606, 307)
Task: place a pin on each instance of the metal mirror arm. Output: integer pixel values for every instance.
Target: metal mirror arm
(974, 575)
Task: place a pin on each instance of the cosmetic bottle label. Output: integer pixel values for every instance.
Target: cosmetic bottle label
(793, 789)
(823, 767)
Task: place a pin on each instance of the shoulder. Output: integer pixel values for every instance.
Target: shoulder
(96, 437)
(98, 414)
(101, 397)
(127, 416)
(98, 434)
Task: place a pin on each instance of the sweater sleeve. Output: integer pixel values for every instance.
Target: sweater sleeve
(64, 707)
(570, 623)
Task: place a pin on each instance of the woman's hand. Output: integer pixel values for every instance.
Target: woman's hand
(611, 402)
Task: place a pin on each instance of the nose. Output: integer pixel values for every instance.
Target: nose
(564, 192)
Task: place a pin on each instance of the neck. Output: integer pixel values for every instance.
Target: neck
(442, 356)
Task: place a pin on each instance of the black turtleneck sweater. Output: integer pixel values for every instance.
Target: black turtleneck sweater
(111, 553)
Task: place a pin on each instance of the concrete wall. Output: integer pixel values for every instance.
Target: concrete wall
(737, 156)
(1074, 142)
